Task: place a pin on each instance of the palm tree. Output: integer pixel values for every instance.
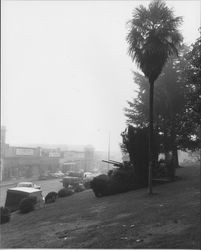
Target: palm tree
(153, 37)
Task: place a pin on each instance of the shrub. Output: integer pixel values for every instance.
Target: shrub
(132, 175)
(100, 185)
(79, 187)
(65, 192)
(5, 215)
(118, 181)
(51, 197)
(126, 178)
(27, 205)
(87, 184)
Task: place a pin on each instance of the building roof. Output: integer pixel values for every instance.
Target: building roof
(69, 163)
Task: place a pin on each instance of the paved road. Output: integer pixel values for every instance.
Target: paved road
(46, 187)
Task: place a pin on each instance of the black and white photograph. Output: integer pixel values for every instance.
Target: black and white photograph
(100, 124)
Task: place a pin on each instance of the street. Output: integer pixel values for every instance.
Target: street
(46, 187)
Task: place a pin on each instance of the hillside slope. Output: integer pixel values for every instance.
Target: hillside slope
(170, 218)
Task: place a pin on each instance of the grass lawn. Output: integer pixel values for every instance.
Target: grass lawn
(170, 218)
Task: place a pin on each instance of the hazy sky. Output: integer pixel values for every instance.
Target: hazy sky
(66, 75)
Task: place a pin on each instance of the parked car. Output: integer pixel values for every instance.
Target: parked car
(70, 181)
(15, 195)
(58, 174)
(43, 177)
(28, 185)
(75, 174)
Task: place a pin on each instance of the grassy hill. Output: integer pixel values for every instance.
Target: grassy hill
(170, 218)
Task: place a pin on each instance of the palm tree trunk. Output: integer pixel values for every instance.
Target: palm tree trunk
(151, 155)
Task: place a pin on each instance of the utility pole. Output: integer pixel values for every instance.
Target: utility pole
(108, 152)
(1, 173)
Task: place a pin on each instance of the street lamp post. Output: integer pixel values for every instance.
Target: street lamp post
(108, 153)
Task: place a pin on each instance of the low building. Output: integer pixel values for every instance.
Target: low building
(29, 162)
(72, 161)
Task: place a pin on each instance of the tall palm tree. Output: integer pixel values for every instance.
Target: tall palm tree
(153, 37)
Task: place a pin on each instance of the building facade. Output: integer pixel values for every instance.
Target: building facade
(31, 162)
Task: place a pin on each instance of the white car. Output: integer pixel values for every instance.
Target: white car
(58, 174)
(28, 185)
(89, 176)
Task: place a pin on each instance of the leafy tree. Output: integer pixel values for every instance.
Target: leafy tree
(192, 74)
(169, 106)
(152, 38)
(135, 142)
(174, 118)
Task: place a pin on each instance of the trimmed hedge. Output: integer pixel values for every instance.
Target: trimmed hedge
(64, 192)
(51, 197)
(79, 187)
(27, 205)
(87, 184)
(100, 185)
(118, 181)
(5, 215)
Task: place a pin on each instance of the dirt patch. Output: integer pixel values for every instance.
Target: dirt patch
(123, 216)
(98, 209)
(157, 230)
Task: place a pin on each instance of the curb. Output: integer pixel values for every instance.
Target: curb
(8, 184)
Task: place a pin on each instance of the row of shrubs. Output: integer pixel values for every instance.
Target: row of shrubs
(52, 196)
(28, 204)
(64, 192)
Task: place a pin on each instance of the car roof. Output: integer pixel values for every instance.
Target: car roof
(25, 182)
(25, 189)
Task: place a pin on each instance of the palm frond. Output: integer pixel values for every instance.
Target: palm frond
(153, 37)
